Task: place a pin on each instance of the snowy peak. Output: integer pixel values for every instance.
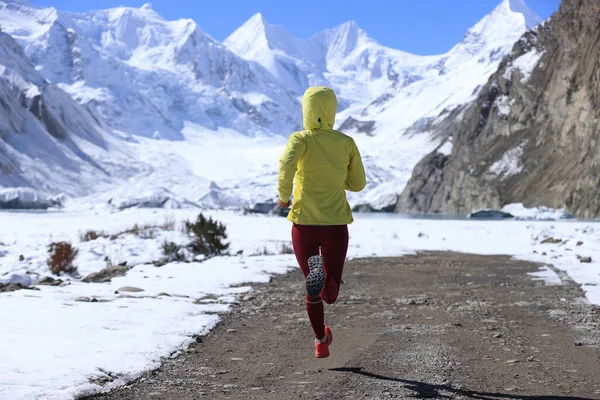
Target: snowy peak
(250, 38)
(499, 29)
(509, 16)
(344, 38)
(519, 7)
(256, 36)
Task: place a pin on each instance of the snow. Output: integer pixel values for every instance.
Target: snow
(547, 275)
(526, 64)
(510, 163)
(540, 213)
(519, 6)
(446, 148)
(127, 335)
(503, 103)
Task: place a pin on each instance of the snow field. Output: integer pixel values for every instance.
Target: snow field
(124, 334)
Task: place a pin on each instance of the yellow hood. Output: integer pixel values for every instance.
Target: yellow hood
(319, 106)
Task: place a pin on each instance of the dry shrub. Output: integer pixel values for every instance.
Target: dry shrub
(168, 224)
(208, 236)
(62, 255)
(286, 249)
(172, 252)
(92, 235)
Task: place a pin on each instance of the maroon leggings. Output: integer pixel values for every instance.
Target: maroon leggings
(332, 243)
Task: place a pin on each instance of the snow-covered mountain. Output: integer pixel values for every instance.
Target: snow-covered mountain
(344, 57)
(47, 140)
(144, 76)
(386, 90)
(454, 78)
(147, 76)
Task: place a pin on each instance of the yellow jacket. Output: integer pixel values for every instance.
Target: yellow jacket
(325, 164)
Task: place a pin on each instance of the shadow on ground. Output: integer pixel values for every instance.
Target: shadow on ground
(425, 390)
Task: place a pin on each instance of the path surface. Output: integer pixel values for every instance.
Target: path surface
(436, 325)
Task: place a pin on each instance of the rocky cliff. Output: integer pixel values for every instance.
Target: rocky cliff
(531, 135)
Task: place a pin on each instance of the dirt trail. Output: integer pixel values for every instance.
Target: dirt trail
(436, 325)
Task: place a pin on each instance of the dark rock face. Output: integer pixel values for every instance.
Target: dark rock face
(490, 214)
(532, 135)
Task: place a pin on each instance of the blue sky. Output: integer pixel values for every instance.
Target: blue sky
(416, 26)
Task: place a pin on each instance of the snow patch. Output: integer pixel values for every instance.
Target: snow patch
(503, 103)
(446, 148)
(536, 213)
(549, 276)
(526, 64)
(510, 163)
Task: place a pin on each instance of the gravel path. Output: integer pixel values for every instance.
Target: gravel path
(435, 325)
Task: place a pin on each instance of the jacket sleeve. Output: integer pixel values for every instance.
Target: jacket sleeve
(288, 164)
(357, 179)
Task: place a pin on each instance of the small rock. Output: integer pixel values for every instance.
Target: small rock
(13, 287)
(586, 260)
(498, 335)
(579, 244)
(551, 240)
(578, 344)
(48, 281)
(107, 274)
(21, 258)
(558, 313)
(130, 289)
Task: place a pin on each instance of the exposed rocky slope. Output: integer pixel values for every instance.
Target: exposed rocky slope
(46, 138)
(532, 134)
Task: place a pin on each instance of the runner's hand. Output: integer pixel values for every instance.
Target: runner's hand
(281, 204)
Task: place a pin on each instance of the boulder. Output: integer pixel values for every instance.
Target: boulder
(107, 274)
(21, 279)
(48, 281)
(490, 214)
(12, 287)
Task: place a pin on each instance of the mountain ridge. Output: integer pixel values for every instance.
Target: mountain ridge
(147, 77)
